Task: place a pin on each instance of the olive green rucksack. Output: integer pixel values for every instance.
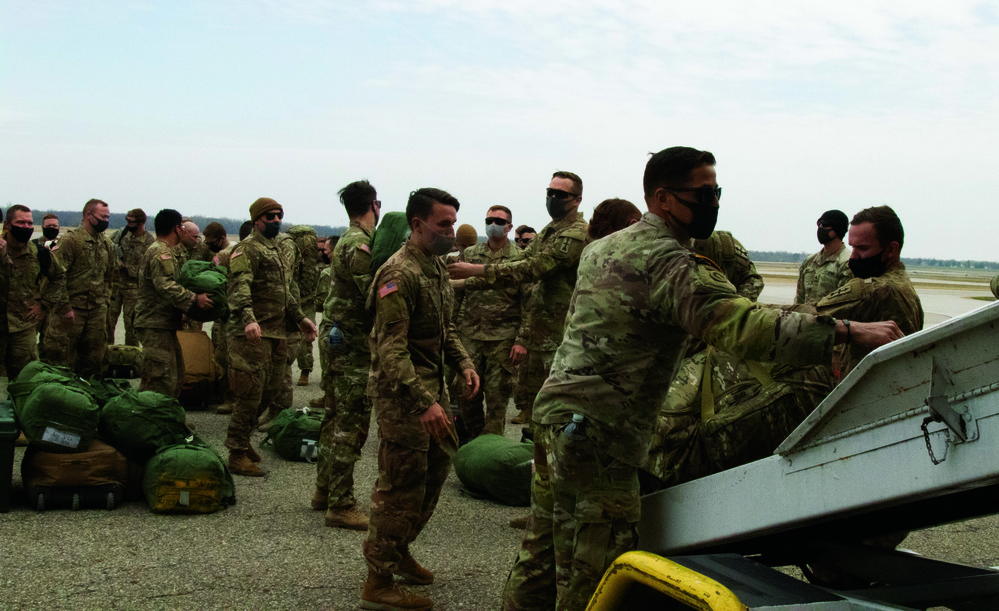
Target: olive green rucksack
(55, 408)
(492, 466)
(206, 277)
(188, 477)
(294, 433)
(389, 237)
(140, 423)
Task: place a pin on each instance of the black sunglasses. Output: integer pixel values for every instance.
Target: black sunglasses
(270, 216)
(560, 194)
(496, 220)
(705, 196)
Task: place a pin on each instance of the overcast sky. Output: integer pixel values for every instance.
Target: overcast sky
(205, 106)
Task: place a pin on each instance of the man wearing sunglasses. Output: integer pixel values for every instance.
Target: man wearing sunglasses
(549, 263)
(261, 305)
(828, 269)
(131, 243)
(525, 235)
(488, 323)
(641, 296)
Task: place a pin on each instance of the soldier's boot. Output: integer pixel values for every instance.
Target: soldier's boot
(303, 380)
(381, 593)
(21, 440)
(240, 464)
(320, 499)
(522, 418)
(351, 519)
(410, 570)
(320, 402)
(225, 408)
(519, 523)
(265, 421)
(252, 454)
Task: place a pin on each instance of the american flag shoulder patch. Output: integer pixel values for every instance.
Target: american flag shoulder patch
(236, 254)
(165, 257)
(387, 289)
(365, 248)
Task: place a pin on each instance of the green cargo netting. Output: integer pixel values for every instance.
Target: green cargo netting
(189, 477)
(496, 467)
(389, 237)
(140, 423)
(55, 408)
(294, 434)
(206, 277)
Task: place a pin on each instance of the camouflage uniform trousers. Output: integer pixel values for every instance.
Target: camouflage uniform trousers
(255, 375)
(324, 361)
(595, 511)
(343, 433)
(492, 363)
(88, 341)
(123, 303)
(536, 369)
(305, 360)
(287, 396)
(407, 490)
(17, 350)
(163, 361)
(220, 341)
(53, 344)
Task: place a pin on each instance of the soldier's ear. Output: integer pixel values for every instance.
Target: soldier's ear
(893, 250)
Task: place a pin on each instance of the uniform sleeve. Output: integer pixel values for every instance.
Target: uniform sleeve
(556, 255)
(393, 299)
(242, 269)
(799, 296)
(751, 284)
(111, 275)
(54, 297)
(360, 267)
(697, 297)
(163, 274)
(455, 355)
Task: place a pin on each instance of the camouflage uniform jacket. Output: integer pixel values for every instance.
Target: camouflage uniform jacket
(260, 288)
(413, 337)
(162, 301)
(293, 256)
(90, 263)
(26, 285)
(641, 295)
(733, 259)
(820, 275)
(323, 286)
(132, 249)
(493, 313)
(349, 285)
(550, 263)
(223, 256)
(306, 274)
(200, 252)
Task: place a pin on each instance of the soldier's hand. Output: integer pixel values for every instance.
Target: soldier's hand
(252, 332)
(472, 380)
(462, 270)
(434, 422)
(34, 312)
(204, 301)
(870, 335)
(308, 329)
(518, 354)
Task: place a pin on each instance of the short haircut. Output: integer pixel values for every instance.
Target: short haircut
(357, 197)
(525, 229)
(91, 205)
(421, 203)
(214, 231)
(503, 208)
(671, 168)
(165, 222)
(138, 214)
(612, 215)
(245, 229)
(49, 216)
(17, 208)
(887, 225)
(577, 182)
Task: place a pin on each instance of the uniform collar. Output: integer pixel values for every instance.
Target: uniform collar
(426, 262)
(358, 224)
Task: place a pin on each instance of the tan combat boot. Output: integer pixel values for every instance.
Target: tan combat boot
(264, 424)
(410, 570)
(320, 499)
(252, 454)
(381, 593)
(522, 418)
(240, 464)
(303, 380)
(352, 519)
(320, 402)
(520, 522)
(225, 408)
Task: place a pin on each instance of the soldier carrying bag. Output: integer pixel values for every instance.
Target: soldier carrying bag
(206, 277)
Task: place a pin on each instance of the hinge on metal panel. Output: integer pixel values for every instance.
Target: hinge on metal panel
(961, 427)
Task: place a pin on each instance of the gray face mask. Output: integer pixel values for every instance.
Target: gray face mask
(495, 231)
(440, 244)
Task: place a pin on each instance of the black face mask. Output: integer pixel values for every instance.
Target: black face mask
(823, 235)
(50, 233)
(868, 267)
(556, 207)
(131, 228)
(216, 246)
(703, 222)
(271, 230)
(326, 258)
(100, 225)
(21, 234)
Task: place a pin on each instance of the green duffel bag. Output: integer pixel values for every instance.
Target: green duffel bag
(104, 389)
(494, 467)
(140, 423)
(206, 277)
(389, 237)
(294, 433)
(54, 408)
(188, 477)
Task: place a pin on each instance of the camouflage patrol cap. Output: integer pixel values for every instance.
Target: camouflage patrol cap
(263, 205)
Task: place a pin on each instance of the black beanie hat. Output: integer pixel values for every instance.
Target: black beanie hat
(837, 220)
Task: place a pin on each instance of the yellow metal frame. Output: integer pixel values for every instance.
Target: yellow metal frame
(674, 580)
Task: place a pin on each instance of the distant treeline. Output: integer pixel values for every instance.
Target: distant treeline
(73, 219)
(781, 256)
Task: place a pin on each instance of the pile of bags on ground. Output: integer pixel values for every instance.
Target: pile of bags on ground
(97, 443)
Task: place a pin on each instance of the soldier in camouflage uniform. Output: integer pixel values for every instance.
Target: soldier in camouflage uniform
(35, 283)
(217, 241)
(550, 264)
(733, 259)
(488, 322)
(641, 295)
(828, 269)
(161, 306)
(131, 243)
(260, 304)
(323, 291)
(89, 260)
(413, 337)
(308, 278)
(191, 248)
(348, 408)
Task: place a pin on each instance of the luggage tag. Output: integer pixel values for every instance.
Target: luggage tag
(309, 450)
